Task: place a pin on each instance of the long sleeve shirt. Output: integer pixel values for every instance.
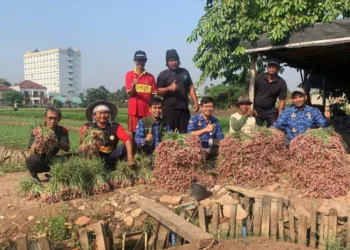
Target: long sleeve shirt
(142, 131)
(197, 122)
(242, 123)
(296, 122)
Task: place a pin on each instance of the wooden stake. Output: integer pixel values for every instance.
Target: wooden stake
(162, 237)
(253, 58)
(146, 240)
(83, 239)
(124, 239)
(333, 222)
(348, 231)
(291, 224)
(257, 212)
(215, 218)
(280, 219)
(233, 216)
(202, 217)
(265, 220)
(323, 232)
(154, 234)
(313, 225)
(302, 230)
(21, 242)
(239, 228)
(274, 219)
(246, 204)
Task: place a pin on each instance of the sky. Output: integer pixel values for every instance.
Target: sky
(107, 33)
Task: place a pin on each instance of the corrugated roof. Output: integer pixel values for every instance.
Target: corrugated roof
(4, 88)
(29, 85)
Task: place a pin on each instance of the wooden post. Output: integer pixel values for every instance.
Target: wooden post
(302, 230)
(202, 217)
(215, 218)
(100, 235)
(333, 222)
(21, 242)
(239, 228)
(246, 204)
(324, 90)
(257, 212)
(323, 232)
(233, 216)
(313, 225)
(124, 241)
(274, 219)
(253, 58)
(161, 237)
(280, 219)
(265, 220)
(83, 239)
(154, 234)
(348, 231)
(291, 224)
(44, 243)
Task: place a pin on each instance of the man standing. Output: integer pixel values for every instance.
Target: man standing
(150, 129)
(175, 84)
(140, 86)
(300, 117)
(268, 87)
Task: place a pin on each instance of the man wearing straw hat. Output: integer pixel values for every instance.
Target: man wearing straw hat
(101, 116)
(243, 120)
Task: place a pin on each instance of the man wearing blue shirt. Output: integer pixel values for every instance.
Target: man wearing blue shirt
(206, 126)
(150, 129)
(300, 117)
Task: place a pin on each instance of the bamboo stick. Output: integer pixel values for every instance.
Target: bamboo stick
(257, 211)
(233, 216)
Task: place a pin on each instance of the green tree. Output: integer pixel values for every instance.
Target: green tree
(119, 97)
(227, 22)
(12, 96)
(4, 82)
(93, 95)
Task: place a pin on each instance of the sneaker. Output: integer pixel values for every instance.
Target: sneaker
(35, 178)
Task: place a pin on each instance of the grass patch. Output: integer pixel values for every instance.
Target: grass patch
(11, 168)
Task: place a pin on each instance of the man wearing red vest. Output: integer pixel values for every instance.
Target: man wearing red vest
(140, 86)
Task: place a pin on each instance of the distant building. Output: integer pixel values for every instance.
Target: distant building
(58, 70)
(33, 93)
(3, 88)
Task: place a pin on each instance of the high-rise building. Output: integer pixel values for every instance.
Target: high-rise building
(57, 69)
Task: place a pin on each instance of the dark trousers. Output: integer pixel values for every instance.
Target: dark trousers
(266, 118)
(41, 163)
(117, 154)
(177, 119)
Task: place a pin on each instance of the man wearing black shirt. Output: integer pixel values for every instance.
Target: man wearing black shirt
(175, 84)
(268, 87)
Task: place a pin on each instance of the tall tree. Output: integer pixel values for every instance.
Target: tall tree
(227, 22)
(92, 95)
(119, 97)
(12, 96)
(4, 82)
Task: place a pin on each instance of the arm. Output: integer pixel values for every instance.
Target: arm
(64, 143)
(236, 125)
(192, 128)
(219, 135)
(161, 84)
(129, 84)
(194, 98)
(31, 139)
(125, 137)
(320, 120)
(140, 138)
(281, 122)
(154, 87)
(81, 134)
(281, 105)
(282, 97)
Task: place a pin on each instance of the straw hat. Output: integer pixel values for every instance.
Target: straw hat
(113, 109)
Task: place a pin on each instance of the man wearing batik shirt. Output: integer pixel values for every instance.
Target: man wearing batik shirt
(301, 117)
(140, 86)
(150, 129)
(206, 126)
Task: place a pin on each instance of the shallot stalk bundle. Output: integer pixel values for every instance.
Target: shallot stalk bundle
(178, 161)
(93, 139)
(45, 141)
(252, 160)
(319, 165)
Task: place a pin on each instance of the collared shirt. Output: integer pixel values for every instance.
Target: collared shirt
(296, 122)
(242, 123)
(266, 93)
(179, 98)
(197, 122)
(141, 131)
(145, 88)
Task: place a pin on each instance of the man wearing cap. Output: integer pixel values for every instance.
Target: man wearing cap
(175, 84)
(244, 120)
(101, 116)
(268, 87)
(300, 117)
(140, 86)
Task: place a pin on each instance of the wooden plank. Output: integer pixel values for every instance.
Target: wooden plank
(153, 238)
(255, 193)
(100, 235)
(291, 224)
(333, 222)
(348, 231)
(239, 228)
(274, 219)
(280, 219)
(233, 215)
(215, 218)
(162, 237)
(202, 218)
(21, 242)
(323, 232)
(313, 225)
(44, 243)
(185, 229)
(302, 230)
(83, 239)
(257, 213)
(265, 220)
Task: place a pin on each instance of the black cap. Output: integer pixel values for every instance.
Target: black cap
(140, 55)
(171, 54)
(273, 61)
